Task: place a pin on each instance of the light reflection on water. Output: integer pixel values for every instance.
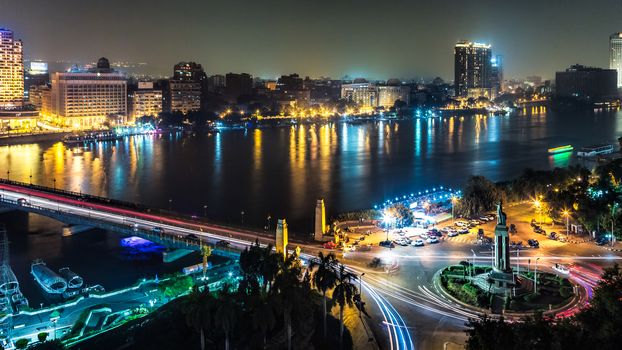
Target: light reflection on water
(282, 171)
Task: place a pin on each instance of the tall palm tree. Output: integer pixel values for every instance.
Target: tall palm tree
(288, 289)
(226, 315)
(198, 309)
(263, 317)
(269, 267)
(343, 294)
(324, 277)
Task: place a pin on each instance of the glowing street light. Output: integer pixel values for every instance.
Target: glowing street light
(454, 200)
(566, 214)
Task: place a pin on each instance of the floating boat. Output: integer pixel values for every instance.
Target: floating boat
(561, 149)
(49, 280)
(73, 280)
(595, 150)
(8, 281)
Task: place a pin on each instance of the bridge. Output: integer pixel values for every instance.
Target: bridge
(126, 218)
(173, 231)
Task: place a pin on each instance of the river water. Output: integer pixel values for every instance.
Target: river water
(278, 172)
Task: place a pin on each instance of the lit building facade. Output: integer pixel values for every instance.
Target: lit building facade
(87, 99)
(615, 55)
(363, 94)
(185, 96)
(11, 70)
(388, 94)
(472, 66)
(146, 101)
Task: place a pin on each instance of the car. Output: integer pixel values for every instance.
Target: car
(553, 235)
(483, 219)
(432, 240)
(157, 230)
(533, 243)
(418, 243)
(329, 245)
(452, 234)
(474, 222)
(387, 244)
(22, 201)
(223, 243)
(513, 228)
(463, 231)
(561, 268)
(362, 238)
(462, 223)
(400, 242)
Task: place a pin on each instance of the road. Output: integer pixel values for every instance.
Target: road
(407, 311)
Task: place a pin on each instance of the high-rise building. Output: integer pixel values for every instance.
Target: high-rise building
(87, 99)
(472, 66)
(11, 70)
(586, 83)
(238, 85)
(215, 83)
(144, 101)
(496, 73)
(36, 75)
(188, 71)
(615, 55)
(185, 96)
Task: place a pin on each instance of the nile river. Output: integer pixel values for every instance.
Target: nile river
(278, 172)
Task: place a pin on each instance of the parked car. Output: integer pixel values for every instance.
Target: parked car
(463, 231)
(462, 223)
(533, 243)
(452, 234)
(432, 240)
(418, 243)
(22, 201)
(387, 244)
(513, 228)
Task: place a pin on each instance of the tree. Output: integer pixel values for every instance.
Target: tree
(226, 314)
(198, 310)
(324, 278)
(479, 195)
(343, 294)
(263, 318)
(22, 343)
(42, 336)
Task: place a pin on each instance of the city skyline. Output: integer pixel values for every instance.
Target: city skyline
(273, 38)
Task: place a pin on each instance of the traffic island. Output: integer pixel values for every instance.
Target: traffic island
(472, 286)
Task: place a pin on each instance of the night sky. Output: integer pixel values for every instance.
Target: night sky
(375, 39)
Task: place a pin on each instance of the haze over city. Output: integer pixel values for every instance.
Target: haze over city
(376, 40)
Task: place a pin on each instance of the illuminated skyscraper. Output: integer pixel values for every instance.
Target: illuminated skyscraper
(615, 55)
(11, 70)
(472, 66)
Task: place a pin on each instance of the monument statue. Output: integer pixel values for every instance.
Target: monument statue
(501, 217)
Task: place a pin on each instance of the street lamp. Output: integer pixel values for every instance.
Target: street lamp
(613, 212)
(535, 278)
(566, 213)
(205, 210)
(170, 204)
(242, 212)
(473, 264)
(361, 293)
(538, 205)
